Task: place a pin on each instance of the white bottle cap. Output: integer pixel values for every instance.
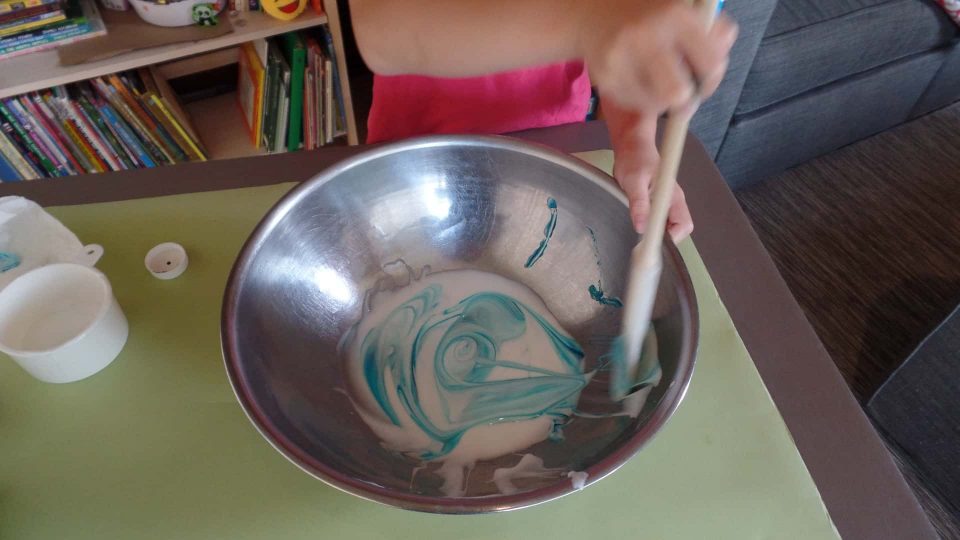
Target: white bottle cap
(167, 260)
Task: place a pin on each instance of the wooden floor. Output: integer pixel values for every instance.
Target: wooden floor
(868, 239)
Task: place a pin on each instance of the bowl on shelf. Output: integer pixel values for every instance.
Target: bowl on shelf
(178, 12)
(387, 217)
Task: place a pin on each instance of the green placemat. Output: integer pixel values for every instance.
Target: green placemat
(155, 446)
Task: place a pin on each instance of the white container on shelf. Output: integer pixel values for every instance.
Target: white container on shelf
(177, 13)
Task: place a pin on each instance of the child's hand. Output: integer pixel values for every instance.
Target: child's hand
(633, 136)
(652, 55)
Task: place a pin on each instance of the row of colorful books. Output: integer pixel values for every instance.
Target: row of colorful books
(289, 91)
(35, 25)
(117, 122)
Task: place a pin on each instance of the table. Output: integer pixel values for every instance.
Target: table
(858, 481)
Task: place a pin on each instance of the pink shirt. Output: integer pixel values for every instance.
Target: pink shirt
(408, 105)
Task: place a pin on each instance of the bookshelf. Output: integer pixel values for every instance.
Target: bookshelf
(217, 119)
(41, 70)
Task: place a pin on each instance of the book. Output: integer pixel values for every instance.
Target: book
(26, 13)
(261, 46)
(250, 91)
(26, 141)
(340, 112)
(7, 6)
(318, 94)
(85, 124)
(70, 127)
(39, 111)
(170, 101)
(126, 134)
(295, 52)
(47, 149)
(7, 172)
(12, 154)
(308, 104)
(271, 95)
(156, 131)
(56, 126)
(111, 96)
(328, 102)
(88, 103)
(22, 148)
(29, 23)
(83, 22)
(283, 112)
(152, 104)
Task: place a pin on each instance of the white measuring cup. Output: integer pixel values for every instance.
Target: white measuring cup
(61, 322)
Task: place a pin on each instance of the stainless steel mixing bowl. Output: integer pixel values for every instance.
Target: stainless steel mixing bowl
(445, 203)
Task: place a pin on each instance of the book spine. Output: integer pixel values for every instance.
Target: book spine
(53, 32)
(13, 155)
(271, 101)
(328, 100)
(126, 135)
(159, 135)
(52, 126)
(21, 145)
(162, 122)
(108, 93)
(8, 173)
(23, 4)
(114, 146)
(47, 166)
(31, 23)
(86, 129)
(308, 106)
(13, 16)
(72, 130)
(40, 138)
(46, 45)
(194, 145)
(180, 135)
(47, 136)
(341, 112)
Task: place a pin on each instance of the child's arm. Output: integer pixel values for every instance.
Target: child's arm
(641, 53)
(645, 56)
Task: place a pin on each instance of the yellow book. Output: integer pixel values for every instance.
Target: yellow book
(193, 149)
(250, 91)
(53, 17)
(6, 6)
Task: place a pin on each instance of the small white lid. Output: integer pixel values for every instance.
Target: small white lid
(166, 261)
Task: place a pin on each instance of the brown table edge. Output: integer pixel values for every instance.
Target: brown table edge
(861, 486)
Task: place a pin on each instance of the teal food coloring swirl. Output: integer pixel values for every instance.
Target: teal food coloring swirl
(547, 233)
(469, 336)
(596, 291)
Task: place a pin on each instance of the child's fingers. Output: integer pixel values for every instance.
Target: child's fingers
(670, 82)
(636, 160)
(679, 220)
(706, 51)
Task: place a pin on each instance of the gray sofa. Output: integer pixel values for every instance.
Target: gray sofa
(809, 76)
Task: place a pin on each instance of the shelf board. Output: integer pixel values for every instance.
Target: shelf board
(40, 70)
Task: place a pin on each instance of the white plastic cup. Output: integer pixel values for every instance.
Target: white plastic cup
(61, 322)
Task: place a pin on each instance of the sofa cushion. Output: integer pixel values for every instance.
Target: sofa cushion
(766, 142)
(711, 121)
(945, 87)
(810, 43)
